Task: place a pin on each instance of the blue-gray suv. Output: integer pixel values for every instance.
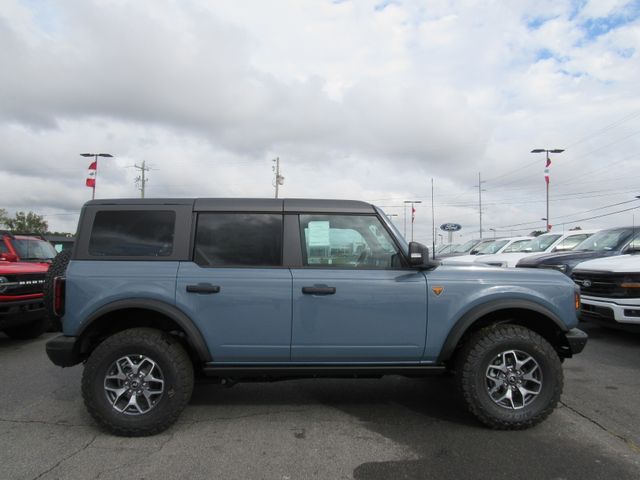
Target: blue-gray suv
(156, 292)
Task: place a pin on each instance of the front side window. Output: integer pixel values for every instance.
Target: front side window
(132, 233)
(239, 239)
(347, 241)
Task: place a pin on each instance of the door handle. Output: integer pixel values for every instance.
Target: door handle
(203, 288)
(319, 290)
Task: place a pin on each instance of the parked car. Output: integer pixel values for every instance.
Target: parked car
(610, 290)
(548, 242)
(446, 248)
(61, 242)
(260, 289)
(495, 247)
(22, 313)
(605, 243)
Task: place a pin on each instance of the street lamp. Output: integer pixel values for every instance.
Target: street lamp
(546, 172)
(412, 202)
(494, 232)
(95, 155)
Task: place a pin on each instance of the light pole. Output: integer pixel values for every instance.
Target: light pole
(494, 232)
(95, 155)
(546, 222)
(412, 202)
(546, 172)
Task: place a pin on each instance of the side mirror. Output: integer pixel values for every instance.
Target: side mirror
(8, 257)
(419, 255)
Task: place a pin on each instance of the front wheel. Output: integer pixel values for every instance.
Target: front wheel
(137, 382)
(510, 376)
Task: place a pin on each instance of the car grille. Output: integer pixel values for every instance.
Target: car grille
(607, 285)
(22, 284)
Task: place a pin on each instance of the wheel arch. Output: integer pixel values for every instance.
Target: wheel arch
(141, 312)
(522, 312)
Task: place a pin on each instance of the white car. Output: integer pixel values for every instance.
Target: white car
(545, 243)
(610, 289)
(498, 246)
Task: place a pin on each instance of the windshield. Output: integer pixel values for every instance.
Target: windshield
(34, 249)
(540, 244)
(465, 247)
(516, 246)
(607, 240)
(480, 246)
(493, 247)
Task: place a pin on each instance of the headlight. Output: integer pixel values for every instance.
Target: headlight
(560, 268)
(3, 288)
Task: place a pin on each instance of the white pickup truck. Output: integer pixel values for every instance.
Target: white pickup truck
(610, 289)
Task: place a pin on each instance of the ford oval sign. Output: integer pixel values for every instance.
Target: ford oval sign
(450, 227)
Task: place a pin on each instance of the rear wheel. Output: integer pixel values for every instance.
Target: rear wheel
(510, 376)
(137, 382)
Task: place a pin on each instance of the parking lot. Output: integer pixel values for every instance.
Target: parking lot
(366, 429)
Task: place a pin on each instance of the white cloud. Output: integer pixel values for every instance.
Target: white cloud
(357, 101)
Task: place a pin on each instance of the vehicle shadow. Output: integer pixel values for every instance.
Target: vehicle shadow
(389, 399)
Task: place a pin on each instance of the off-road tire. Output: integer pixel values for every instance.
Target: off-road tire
(28, 331)
(57, 269)
(176, 368)
(474, 359)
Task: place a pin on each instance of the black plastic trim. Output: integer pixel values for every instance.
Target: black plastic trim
(291, 242)
(320, 370)
(64, 351)
(463, 324)
(194, 337)
(577, 339)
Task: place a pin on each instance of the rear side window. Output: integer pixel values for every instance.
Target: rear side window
(239, 239)
(132, 233)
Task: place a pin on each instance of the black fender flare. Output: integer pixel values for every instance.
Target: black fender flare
(194, 336)
(479, 311)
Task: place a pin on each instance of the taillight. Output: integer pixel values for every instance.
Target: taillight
(58, 295)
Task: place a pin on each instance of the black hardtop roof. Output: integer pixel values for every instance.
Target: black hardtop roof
(301, 205)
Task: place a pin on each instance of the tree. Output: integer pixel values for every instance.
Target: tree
(4, 217)
(26, 223)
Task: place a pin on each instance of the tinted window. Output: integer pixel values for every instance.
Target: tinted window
(347, 241)
(239, 239)
(132, 233)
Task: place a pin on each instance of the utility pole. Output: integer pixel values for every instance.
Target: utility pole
(279, 179)
(546, 174)
(480, 182)
(141, 180)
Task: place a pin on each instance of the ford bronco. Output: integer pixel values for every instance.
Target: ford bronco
(158, 291)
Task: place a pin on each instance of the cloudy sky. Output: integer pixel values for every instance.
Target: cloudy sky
(359, 99)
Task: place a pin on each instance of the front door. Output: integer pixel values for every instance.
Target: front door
(353, 299)
(236, 289)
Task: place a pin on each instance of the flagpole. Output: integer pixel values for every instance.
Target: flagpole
(95, 180)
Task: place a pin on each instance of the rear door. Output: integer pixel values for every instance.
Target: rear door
(353, 300)
(236, 289)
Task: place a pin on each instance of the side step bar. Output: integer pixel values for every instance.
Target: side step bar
(321, 370)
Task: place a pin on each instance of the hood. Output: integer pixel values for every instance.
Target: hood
(504, 259)
(460, 259)
(19, 268)
(570, 258)
(615, 264)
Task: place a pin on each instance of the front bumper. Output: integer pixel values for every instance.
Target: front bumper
(21, 312)
(609, 311)
(64, 351)
(576, 339)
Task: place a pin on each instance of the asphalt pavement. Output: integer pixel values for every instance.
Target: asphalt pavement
(391, 428)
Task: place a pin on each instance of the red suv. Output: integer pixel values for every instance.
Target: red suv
(24, 261)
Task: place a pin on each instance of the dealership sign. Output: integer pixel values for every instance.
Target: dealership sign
(450, 227)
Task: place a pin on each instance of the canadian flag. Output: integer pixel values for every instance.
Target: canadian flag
(413, 214)
(91, 174)
(546, 170)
